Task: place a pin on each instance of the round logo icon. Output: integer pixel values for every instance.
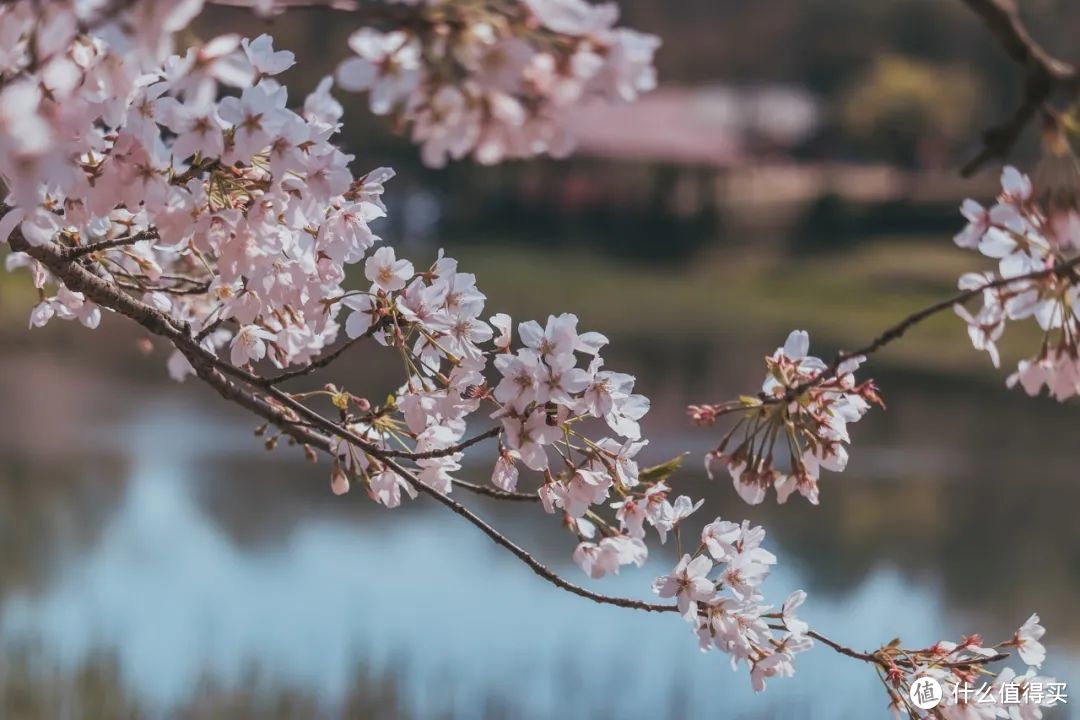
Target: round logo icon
(925, 693)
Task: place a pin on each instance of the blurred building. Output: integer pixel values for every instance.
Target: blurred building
(715, 126)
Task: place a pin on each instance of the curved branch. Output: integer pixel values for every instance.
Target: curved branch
(84, 250)
(285, 413)
(1044, 75)
(897, 331)
(318, 363)
(535, 565)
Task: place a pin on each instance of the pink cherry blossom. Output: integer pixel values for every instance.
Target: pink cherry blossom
(688, 583)
(386, 272)
(249, 345)
(1027, 642)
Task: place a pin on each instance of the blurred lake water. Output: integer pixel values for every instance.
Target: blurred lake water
(156, 561)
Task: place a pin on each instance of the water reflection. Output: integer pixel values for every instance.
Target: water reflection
(165, 565)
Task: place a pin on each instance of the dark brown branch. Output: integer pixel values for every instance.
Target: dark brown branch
(874, 658)
(1044, 75)
(368, 10)
(206, 331)
(252, 402)
(443, 452)
(842, 649)
(898, 330)
(195, 170)
(196, 290)
(319, 362)
(84, 250)
(344, 5)
(213, 371)
(496, 492)
(878, 658)
(535, 565)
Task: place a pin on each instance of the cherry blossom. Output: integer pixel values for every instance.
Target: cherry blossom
(667, 516)
(1026, 237)
(249, 344)
(386, 272)
(970, 689)
(1027, 642)
(795, 626)
(386, 487)
(804, 408)
(605, 557)
(264, 59)
(688, 583)
(505, 474)
(492, 80)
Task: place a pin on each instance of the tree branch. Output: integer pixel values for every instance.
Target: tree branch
(287, 414)
(370, 10)
(1043, 76)
(83, 250)
(443, 452)
(496, 492)
(343, 5)
(319, 362)
(897, 331)
(213, 371)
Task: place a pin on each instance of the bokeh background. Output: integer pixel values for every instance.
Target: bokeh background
(797, 169)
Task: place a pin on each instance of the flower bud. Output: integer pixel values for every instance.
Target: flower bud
(339, 481)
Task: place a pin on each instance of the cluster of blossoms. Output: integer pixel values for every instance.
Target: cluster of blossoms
(237, 217)
(716, 590)
(432, 318)
(544, 400)
(235, 210)
(1029, 232)
(804, 408)
(548, 391)
(495, 79)
(968, 689)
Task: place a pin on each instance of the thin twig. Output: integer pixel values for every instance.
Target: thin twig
(343, 5)
(83, 250)
(897, 331)
(535, 565)
(196, 290)
(320, 362)
(368, 10)
(443, 452)
(496, 492)
(206, 331)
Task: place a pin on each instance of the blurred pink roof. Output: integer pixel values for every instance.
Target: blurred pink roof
(715, 126)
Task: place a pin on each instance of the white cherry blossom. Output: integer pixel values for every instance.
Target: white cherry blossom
(689, 584)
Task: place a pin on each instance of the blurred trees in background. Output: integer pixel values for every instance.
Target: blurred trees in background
(905, 84)
(812, 44)
(910, 111)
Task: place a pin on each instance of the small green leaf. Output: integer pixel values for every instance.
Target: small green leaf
(663, 471)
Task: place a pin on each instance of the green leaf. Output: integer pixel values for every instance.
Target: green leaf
(663, 471)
